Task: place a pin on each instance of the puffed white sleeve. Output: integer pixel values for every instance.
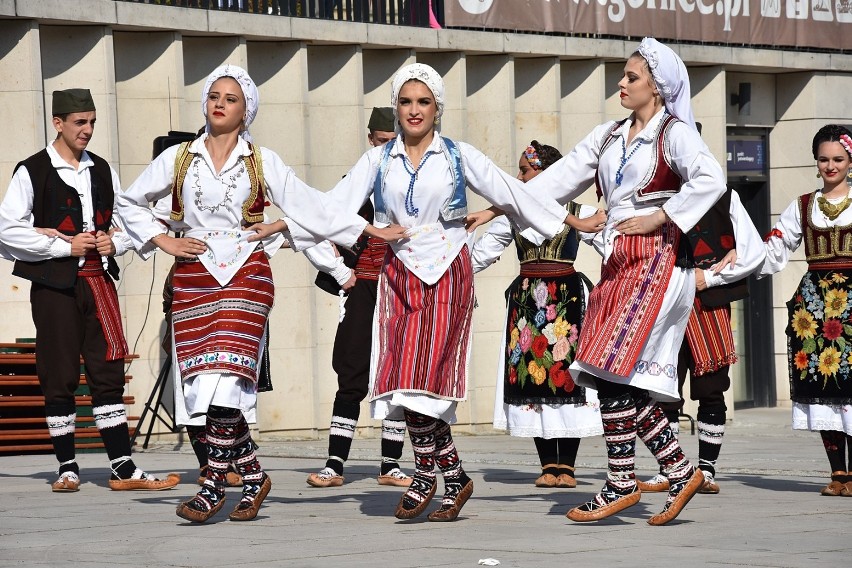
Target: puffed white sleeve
(488, 248)
(704, 180)
(750, 249)
(120, 239)
(526, 208)
(594, 240)
(782, 241)
(139, 219)
(313, 216)
(324, 259)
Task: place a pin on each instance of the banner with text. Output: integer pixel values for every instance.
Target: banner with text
(784, 23)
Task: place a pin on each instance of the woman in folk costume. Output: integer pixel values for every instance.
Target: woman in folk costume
(425, 293)
(223, 289)
(658, 179)
(536, 396)
(819, 339)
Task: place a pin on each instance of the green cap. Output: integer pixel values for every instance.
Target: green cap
(72, 100)
(382, 119)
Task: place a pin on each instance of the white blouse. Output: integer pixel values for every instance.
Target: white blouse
(20, 239)
(213, 201)
(790, 225)
(703, 185)
(750, 251)
(433, 243)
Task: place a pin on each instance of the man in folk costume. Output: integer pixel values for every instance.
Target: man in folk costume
(726, 248)
(356, 275)
(56, 221)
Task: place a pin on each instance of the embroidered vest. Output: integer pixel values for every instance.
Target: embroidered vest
(661, 181)
(454, 208)
(561, 248)
(710, 240)
(253, 206)
(824, 244)
(56, 205)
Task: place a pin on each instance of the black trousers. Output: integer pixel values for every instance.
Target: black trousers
(708, 389)
(351, 353)
(67, 326)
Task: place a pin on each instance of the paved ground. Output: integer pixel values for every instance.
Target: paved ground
(769, 512)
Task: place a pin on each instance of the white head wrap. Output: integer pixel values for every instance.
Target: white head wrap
(671, 78)
(424, 74)
(246, 84)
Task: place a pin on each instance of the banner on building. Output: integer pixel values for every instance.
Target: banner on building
(822, 24)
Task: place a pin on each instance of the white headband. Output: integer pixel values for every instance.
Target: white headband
(246, 84)
(671, 78)
(425, 74)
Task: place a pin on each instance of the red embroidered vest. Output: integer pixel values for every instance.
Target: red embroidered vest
(824, 245)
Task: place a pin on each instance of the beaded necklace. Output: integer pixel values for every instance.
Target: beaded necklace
(230, 184)
(619, 176)
(415, 174)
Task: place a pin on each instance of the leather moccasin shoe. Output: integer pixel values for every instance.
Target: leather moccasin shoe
(710, 487)
(657, 484)
(184, 511)
(847, 489)
(145, 483)
(68, 482)
(833, 489)
(395, 478)
(243, 513)
(327, 477)
(232, 478)
(580, 516)
(565, 480)
(546, 480)
(451, 514)
(403, 513)
(696, 481)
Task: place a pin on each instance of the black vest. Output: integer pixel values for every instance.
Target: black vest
(709, 241)
(56, 205)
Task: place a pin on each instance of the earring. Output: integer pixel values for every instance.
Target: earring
(819, 175)
(437, 120)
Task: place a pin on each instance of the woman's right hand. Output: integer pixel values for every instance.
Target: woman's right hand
(474, 220)
(592, 224)
(184, 248)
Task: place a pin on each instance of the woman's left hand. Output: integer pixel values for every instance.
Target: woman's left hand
(642, 224)
(474, 220)
(263, 230)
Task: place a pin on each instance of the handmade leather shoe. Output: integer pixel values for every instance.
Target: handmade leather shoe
(403, 513)
(450, 514)
(68, 482)
(847, 489)
(696, 481)
(243, 513)
(566, 479)
(184, 511)
(657, 484)
(709, 487)
(145, 483)
(833, 489)
(395, 478)
(546, 480)
(580, 516)
(327, 477)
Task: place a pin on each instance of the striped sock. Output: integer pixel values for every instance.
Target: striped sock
(221, 434)
(421, 430)
(711, 430)
(447, 458)
(245, 460)
(654, 430)
(344, 419)
(619, 423)
(61, 419)
(111, 420)
(393, 438)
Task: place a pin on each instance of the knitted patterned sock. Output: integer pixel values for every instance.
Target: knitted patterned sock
(447, 458)
(111, 420)
(421, 431)
(393, 438)
(835, 448)
(198, 440)
(221, 434)
(654, 430)
(61, 419)
(619, 423)
(246, 463)
(711, 430)
(343, 421)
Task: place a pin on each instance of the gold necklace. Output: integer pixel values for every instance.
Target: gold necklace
(831, 210)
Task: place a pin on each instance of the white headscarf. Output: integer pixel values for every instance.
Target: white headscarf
(671, 78)
(424, 74)
(249, 92)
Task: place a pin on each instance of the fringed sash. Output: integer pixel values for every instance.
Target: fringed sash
(106, 300)
(710, 338)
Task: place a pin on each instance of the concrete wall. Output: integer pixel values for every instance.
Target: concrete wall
(318, 80)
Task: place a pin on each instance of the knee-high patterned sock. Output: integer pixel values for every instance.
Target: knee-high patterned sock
(61, 419)
(654, 430)
(449, 463)
(619, 423)
(246, 462)
(111, 420)
(711, 430)
(198, 440)
(221, 434)
(421, 430)
(393, 438)
(343, 421)
(835, 448)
